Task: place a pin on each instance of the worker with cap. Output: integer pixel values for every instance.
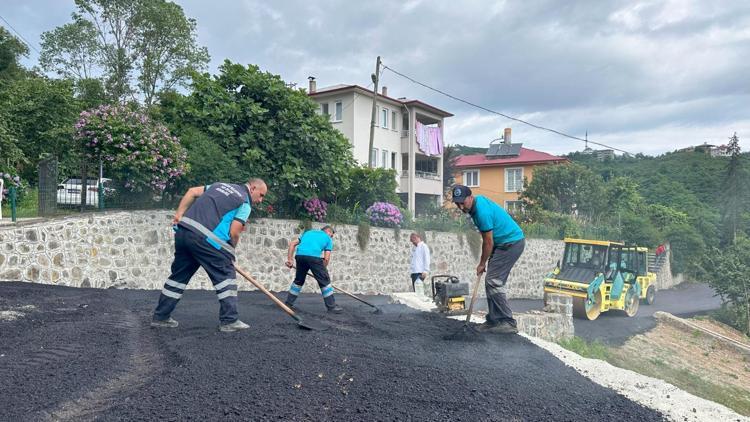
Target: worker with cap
(502, 245)
(313, 253)
(207, 224)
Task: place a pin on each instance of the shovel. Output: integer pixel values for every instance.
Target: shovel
(307, 325)
(351, 295)
(467, 332)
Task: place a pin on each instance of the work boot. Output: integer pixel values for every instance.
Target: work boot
(234, 326)
(336, 309)
(166, 323)
(485, 327)
(503, 328)
(289, 305)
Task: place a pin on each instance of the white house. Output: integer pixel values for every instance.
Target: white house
(408, 137)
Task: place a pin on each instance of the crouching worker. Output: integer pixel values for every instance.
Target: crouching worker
(313, 254)
(208, 223)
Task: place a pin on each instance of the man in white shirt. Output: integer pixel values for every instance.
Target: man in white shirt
(420, 263)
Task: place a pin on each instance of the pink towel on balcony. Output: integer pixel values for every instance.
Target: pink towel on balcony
(420, 132)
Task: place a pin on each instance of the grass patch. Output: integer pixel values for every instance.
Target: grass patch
(593, 350)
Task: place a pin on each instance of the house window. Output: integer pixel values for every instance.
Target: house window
(471, 178)
(393, 160)
(393, 120)
(514, 179)
(339, 112)
(324, 109)
(384, 159)
(384, 118)
(374, 157)
(514, 207)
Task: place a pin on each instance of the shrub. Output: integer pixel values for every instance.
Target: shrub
(363, 235)
(384, 214)
(316, 209)
(136, 151)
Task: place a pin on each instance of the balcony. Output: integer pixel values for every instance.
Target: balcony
(423, 175)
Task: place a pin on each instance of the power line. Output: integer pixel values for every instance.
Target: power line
(501, 114)
(19, 35)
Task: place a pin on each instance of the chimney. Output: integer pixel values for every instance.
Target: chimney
(385, 91)
(312, 87)
(506, 136)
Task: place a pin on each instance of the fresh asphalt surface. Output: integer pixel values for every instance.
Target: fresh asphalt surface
(614, 327)
(86, 354)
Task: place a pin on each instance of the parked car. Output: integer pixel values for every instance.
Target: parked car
(69, 191)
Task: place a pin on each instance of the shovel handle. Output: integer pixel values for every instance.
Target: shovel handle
(473, 299)
(351, 295)
(267, 293)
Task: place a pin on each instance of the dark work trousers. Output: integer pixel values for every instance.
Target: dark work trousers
(319, 271)
(500, 263)
(191, 251)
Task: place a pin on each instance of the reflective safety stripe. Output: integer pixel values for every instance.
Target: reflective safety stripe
(225, 283)
(211, 235)
(326, 291)
(175, 284)
(171, 294)
(228, 293)
(295, 289)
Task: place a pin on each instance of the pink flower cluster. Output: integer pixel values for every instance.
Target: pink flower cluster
(316, 209)
(139, 151)
(384, 214)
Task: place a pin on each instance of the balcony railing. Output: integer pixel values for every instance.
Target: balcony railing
(422, 175)
(405, 133)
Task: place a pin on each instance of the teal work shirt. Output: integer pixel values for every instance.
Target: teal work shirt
(313, 243)
(487, 216)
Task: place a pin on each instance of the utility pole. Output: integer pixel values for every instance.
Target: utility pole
(375, 80)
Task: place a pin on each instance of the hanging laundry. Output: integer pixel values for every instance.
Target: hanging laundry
(420, 132)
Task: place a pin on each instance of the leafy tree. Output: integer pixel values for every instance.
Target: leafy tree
(367, 186)
(71, 50)
(11, 51)
(450, 155)
(149, 41)
(734, 194)
(169, 49)
(266, 129)
(727, 274)
(40, 114)
(565, 188)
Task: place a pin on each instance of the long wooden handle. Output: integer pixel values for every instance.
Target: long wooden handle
(264, 290)
(354, 297)
(473, 298)
(351, 295)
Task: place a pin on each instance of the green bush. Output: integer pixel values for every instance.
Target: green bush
(363, 235)
(369, 185)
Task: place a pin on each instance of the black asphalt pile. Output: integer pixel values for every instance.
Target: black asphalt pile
(85, 354)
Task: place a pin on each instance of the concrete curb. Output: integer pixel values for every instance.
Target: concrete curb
(683, 324)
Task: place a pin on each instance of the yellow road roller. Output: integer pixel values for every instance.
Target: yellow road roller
(602, 275)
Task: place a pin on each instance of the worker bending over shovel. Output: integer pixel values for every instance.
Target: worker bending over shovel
(313, 254)
(208, 223)
(502, 245)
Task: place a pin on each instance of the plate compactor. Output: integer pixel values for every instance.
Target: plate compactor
(448, 294)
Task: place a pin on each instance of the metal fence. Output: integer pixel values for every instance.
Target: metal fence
(84, 191)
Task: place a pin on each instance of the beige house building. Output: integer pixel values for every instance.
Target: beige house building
(408, 137)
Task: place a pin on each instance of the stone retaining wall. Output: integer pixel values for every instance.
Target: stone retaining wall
(134, 250)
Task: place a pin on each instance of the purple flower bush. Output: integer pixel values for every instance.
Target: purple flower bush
(384, 214)
(11, 180)
(136, 150)
(316, 209)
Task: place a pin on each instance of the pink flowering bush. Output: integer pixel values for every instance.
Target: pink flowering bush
(11, 180)
(316, 209)
(137, 152)
(384, 214)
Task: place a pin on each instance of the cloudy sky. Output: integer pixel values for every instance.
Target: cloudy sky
(642, 76)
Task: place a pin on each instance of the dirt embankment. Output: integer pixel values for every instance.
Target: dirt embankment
(693, 361)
